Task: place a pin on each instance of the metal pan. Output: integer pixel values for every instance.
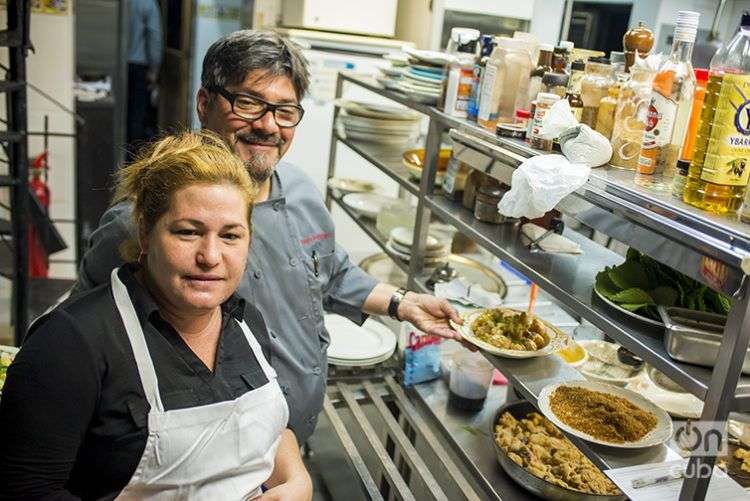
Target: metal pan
(529, 481)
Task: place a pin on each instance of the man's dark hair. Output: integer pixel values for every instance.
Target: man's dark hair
(230, 59)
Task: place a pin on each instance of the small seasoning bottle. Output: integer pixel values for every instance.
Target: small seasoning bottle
(574, 88)
(560, 59)
(605, 117)
(544, 102)
(555, 83)
(485, 208)
(543, 65)
(523, 117)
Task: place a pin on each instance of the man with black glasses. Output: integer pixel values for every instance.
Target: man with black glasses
(251, 87)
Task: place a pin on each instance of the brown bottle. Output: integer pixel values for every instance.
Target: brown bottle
(639, 39)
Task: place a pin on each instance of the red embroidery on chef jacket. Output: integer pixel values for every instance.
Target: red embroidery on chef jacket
(316, 238)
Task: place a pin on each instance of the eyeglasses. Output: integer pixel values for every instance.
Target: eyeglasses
(252, 108)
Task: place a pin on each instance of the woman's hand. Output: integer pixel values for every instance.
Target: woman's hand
(289, 479)
(298, 488)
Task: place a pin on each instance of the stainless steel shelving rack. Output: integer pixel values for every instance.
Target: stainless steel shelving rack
(711, 249)
(14, 142)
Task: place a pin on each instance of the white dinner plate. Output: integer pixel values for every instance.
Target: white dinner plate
(380, 111)
(677, 404)
(587, 345)
(351, 185)
(367, 204)
(436, 82)
(556, 338)
(390, 71)
(399, 140)
(406, 256)
(404, 236)
(397, 58)
(429, 56)
(661, 433)
(357, 344)
(436, 252)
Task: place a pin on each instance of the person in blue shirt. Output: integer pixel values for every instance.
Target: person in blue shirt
(145, 49)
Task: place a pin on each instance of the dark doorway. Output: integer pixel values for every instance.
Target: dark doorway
(599, 26)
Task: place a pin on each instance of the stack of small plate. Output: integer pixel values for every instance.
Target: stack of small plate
(355, 346)
(400, 241)
(423, 80)
(380, 124)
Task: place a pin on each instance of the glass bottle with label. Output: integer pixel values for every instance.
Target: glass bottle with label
(544, 102)
(669, 109)
(605, 116)
(718, 174)
(630, 118)
(461, 72)
(574, 88)
(543, 65)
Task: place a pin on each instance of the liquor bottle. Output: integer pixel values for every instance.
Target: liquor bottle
(669, 109)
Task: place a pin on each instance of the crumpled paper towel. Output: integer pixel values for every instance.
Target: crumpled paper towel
(463, 292)
(539, 184)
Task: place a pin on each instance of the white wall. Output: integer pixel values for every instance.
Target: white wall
(52, 68)
(503, 8)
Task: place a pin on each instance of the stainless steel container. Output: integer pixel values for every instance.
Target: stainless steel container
(695, 336)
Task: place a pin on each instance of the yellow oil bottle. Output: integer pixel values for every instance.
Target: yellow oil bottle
(720, 169)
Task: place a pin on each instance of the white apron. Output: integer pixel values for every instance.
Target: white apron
(221, 451)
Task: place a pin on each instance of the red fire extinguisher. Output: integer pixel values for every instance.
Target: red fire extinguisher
(38, 258)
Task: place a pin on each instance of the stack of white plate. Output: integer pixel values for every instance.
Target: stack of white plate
(367, 205)
(400, 241)
(380, 124)
(392, 72)
(355, 346)
(423, 79)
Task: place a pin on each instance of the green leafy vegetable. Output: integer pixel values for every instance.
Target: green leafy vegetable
(641, 283)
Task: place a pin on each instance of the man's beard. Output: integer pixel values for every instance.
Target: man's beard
(260, 166)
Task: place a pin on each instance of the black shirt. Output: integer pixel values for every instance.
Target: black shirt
(73, 413)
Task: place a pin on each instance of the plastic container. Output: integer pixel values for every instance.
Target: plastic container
(485, 208)
(630, 118)
(506, 83)
(486, 45)
(718, 175)
(669, 110)
(544, 102)
(461, 72)
(471, 376)
(605, 117)
(594, 87)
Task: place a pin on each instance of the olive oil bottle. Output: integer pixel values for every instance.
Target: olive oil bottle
(720, 169)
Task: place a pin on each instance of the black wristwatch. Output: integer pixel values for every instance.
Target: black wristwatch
(396, 299)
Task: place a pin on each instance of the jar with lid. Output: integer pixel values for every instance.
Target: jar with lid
(473, 181)
(506, 83)
(544, 102)
(560, 59)
(638, 40)
(555, 83)
(594, 86)
(630, 118)
(485, 208)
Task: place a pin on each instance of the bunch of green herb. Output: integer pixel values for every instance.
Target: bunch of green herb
(640, 284)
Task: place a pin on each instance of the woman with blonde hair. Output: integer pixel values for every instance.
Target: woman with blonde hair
(157, 384)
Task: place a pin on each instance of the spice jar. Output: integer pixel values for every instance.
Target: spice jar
(485, 208)
(555, 83)
(630, 118)
(544, 102)
(530, 124)
(594, 86)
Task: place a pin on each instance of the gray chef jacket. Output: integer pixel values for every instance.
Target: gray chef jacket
(292, 231)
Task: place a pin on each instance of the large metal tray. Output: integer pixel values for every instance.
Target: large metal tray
(695, 337)
(527, 480)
